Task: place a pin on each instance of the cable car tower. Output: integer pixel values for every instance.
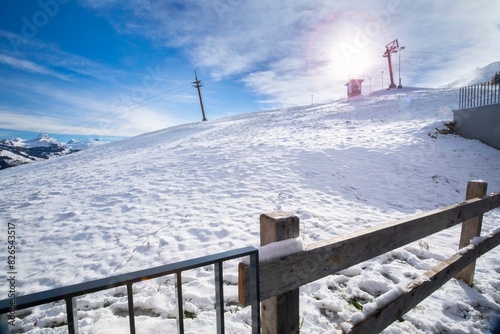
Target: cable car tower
(390, 48)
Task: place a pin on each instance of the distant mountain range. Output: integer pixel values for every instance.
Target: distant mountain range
(17, 151)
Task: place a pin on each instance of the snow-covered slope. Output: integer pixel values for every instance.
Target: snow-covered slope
(199, 188)
(476, 76)
(78, 145)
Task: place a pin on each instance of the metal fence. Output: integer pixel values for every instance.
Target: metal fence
(69, 293)
(479, 95)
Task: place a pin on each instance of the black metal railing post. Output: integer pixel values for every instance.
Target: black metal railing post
(478, 95)
(255, 288)
(131, 316)
(219, 297)
(71, 315)
(179, 302)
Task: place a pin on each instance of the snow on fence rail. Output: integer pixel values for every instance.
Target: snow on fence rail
(478, 95)
(281, 277)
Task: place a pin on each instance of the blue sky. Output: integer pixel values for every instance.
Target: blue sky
(101, 68)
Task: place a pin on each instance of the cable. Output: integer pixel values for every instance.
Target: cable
(454, 54)
(238, 77)
(327, 62)
(122, 110)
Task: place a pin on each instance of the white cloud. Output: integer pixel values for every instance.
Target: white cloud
(348, 37)
(123, 124)
(30, 66)
(87, 109)
(48, 59)
(34, 123)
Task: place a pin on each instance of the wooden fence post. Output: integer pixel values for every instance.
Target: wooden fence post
(471, 228)
(280, 314)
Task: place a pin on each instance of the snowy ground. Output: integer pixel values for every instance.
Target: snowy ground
(197, 189)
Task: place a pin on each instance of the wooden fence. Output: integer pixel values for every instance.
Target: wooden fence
(280, 278)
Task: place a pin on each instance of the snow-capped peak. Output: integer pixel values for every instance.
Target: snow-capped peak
(42, 140)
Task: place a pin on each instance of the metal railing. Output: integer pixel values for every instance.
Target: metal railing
(69, 293)
(479, 95)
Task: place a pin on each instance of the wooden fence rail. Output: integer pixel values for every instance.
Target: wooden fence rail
(281, 275)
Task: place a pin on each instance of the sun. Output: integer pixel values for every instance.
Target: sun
(359, 65)
(354, 64)
(341, 40)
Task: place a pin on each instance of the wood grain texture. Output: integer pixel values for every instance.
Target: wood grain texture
(471, 228)
(279, 313)
(330, 256)
(421, 288)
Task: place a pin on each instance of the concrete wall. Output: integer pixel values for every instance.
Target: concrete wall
(481, 123)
